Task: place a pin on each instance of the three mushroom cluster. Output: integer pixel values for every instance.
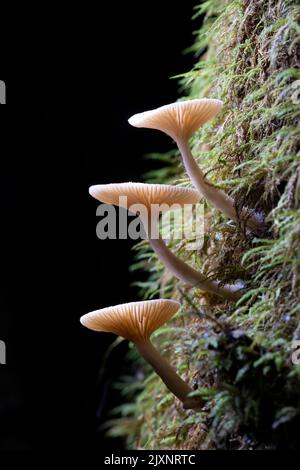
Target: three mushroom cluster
(136, 321)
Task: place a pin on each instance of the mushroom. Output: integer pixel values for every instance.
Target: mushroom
(180, 120)
(136, 321)
(164, 196)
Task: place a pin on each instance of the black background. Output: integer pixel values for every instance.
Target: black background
(71, 87)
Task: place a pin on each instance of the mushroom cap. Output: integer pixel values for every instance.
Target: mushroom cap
(180, 119)
(134, 321)
(142, 193)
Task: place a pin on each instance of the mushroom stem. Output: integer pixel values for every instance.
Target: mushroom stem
(216, 196)
(168, 374)
(189, 275)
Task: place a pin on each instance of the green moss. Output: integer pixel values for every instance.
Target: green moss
(237, 356)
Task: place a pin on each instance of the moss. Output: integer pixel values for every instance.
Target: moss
(238, 356)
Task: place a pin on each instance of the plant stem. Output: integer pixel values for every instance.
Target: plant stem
(188, 275)
(167, 373)
(216, 196)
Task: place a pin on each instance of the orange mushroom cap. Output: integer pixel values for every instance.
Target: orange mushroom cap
(135, 321)
(142, 193)
(180, 119)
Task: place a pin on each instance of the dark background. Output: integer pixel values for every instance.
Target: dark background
(70, 89)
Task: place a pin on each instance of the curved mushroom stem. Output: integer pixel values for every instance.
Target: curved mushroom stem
(189, 275)
(168, 375)
(216, 196)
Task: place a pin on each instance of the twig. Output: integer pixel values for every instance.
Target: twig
(200, 312)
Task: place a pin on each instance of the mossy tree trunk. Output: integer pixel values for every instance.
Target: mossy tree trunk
(239, 355)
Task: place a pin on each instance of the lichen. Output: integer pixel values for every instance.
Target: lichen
(237, 356)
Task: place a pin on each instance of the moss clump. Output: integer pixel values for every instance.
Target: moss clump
(237, 356)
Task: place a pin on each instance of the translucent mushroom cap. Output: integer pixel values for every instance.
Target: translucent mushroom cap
(180, 119)
(142, 193)
(135, 321)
